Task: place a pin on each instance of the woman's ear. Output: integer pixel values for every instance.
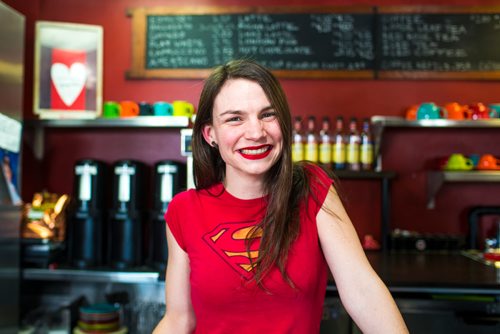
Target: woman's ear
(207, 134)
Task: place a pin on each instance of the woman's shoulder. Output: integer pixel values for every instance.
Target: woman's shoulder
(192, 195)
(316, 173)
(185, 196)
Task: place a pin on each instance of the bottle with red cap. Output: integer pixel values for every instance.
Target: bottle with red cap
(325, 142)
(353, 144)
(312, 141)
(339, 145)
(366, 146)
(297, 140)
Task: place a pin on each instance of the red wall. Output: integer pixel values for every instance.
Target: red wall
(408, 152)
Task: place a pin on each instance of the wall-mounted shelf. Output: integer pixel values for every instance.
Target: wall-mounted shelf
(39, 126)
(137, 122)
(93, 276)
(436, 179)
(379, 123)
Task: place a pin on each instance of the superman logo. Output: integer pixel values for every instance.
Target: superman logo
(228, 240)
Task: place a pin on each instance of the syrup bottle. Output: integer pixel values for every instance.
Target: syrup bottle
(312, 141)
(339, 145)
(366, 148)
(325, 143)
(353, 143)
(298, 140)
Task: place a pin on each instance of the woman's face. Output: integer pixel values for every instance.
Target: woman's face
(245, 128)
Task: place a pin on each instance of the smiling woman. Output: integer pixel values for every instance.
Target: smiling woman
(255, 239)
(246, 129)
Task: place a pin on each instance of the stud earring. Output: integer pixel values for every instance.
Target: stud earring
(214, 144)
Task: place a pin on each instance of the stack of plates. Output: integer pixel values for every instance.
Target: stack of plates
(99, 319)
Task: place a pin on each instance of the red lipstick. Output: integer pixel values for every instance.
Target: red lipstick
(256, 156)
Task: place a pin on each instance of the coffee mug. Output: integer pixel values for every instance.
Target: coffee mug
(145, 109)
(477, 111)
(129, 109)
(161, 108)
(488, 162)
(458, 161)
(494, 110)
(475, 159)
(111, 109)
(454, 111)
(182, 108)
(428, 110)
(411, 112)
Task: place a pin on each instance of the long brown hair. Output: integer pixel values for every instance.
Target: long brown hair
(284, 183)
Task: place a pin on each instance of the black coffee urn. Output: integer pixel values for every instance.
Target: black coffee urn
(125, 229)
(169, 179)
(86, 223)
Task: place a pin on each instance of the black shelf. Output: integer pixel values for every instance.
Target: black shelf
(368, 175)
(384, 177)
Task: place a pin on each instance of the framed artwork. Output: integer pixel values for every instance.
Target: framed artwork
(68, 70)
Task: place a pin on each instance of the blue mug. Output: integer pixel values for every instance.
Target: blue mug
(475, 159)
(161, 108)
(428, 110)
(494, 110)
(145, 109)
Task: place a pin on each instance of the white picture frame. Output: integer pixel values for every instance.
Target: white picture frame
(68, 70)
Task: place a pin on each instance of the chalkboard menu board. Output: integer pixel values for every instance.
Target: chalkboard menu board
(323, 41)
(425, 42)
(319, 42)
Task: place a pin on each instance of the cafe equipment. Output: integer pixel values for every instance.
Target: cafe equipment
(474, 214)
(125, 217)
(169, 179)
(12, 51)
(86, 225)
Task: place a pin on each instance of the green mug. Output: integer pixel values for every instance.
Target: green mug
(111, 109)
(457, 162)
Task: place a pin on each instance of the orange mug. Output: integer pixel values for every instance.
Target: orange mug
(455, 111)
(411, 112)
(129, 109)
(488, 162)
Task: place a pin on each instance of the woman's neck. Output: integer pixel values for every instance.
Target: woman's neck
(244, 188)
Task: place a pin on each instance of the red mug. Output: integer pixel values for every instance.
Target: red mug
(477, 111)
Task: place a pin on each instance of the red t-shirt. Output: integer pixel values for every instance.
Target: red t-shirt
(210, 226)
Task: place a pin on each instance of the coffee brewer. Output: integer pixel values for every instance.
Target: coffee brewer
(125, 217)
(169, 179)
(85, 228)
